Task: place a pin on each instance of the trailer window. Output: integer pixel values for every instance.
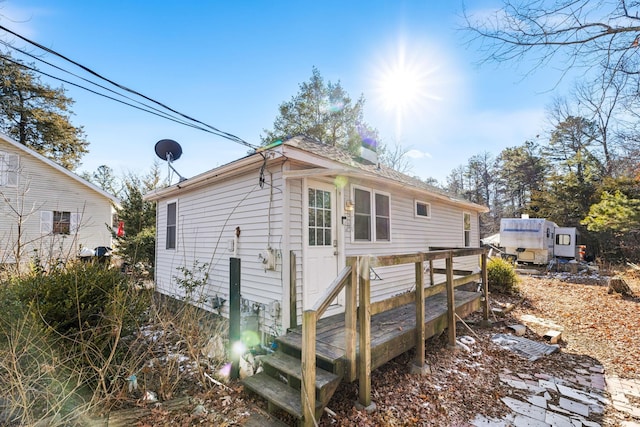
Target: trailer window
(563, 239)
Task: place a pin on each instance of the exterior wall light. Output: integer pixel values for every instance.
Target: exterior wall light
(348, 206)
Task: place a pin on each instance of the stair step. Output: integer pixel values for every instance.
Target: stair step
(328, 357)
(326, 382)
(279, 394)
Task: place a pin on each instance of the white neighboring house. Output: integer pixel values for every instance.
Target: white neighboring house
(47, 211)
(292, 213)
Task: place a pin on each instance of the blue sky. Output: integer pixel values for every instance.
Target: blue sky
(230, 64)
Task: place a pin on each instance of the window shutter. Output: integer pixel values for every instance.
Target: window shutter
(75, 223)
(3, 168)
(46, 222)
(12, 164)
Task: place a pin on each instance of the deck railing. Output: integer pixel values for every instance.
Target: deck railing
(355, 280)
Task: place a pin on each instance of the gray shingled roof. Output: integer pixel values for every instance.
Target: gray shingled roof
(347, 159)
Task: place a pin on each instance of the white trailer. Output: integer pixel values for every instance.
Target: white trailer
(538, 240)
(529, 240)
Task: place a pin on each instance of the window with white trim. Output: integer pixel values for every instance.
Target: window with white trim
(59, 222)
(422, 209)
(372, 220)
(9, 164)
(466, 219)
(563, 239)
(171, 225)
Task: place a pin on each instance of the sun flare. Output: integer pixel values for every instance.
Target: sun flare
(400, 87)
(406, 83)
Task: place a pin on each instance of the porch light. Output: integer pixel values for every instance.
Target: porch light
(348, 206)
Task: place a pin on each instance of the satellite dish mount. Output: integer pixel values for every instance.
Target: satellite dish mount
(170, 151)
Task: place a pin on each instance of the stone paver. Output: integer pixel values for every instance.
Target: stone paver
(558, 420)
(621, 390)
(581, 397)
(525, 408)
(573, 406)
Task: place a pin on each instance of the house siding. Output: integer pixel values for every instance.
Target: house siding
(411, 234)
(40, 188)
(211, 206)
(207, 221)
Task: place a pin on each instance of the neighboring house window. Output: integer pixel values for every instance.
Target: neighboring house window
(423, 210)
(319, 217)
(171, 225)
(563, 239)
(467, 229)
(372, 221)
(9, 164)
(59, 222)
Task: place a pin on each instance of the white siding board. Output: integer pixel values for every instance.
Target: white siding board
(411, 234)
(209, 215)
(207, 219)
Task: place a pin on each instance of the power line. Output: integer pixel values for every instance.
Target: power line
(157, 112)
(214, 130)
(37, 58)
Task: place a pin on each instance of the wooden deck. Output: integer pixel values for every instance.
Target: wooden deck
(311, 360)
(393, 332)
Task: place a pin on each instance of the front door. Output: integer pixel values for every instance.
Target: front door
(321, 247)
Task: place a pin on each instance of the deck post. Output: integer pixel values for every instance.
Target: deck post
(485, 287)
(308, 387)
(350, 318)
(364, 315)
(419, 364)
(432, 280)
(451, 304)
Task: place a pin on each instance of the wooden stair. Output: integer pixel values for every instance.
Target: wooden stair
(279, 383)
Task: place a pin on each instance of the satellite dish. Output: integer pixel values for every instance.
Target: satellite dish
(168, 149)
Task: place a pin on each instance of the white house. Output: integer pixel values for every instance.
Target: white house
(47, 211)
(292, 213)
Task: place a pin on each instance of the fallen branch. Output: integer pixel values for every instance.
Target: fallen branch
(216, 382)
(634, 266)
(468, 327)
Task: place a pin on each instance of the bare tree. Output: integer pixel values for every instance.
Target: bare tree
(396, 158)
(580, 33)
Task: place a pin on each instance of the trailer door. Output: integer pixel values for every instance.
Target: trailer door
(565, 242)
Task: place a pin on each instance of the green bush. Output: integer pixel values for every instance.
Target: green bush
(62, 339)
(82, 296)
(89, 308)
(502, 277)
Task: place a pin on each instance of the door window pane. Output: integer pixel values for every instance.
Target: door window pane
(320, 221)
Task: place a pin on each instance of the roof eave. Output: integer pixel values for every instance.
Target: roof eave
(51, 163)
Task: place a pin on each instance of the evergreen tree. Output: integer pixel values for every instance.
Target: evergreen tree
(324, 112)
(37, 115)
(520, 172)
(139, 217)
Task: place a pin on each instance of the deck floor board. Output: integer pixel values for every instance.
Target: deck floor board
(392, 331)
